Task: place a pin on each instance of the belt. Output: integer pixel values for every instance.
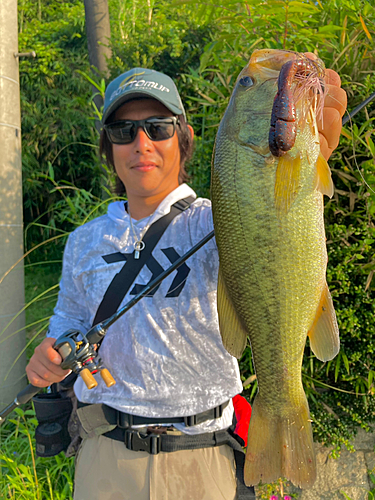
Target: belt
(93, 416)
(156, 443)
(97, 415)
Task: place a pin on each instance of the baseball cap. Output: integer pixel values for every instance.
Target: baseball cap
(141, 82)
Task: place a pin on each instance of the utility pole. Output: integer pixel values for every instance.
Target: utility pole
(12, 379)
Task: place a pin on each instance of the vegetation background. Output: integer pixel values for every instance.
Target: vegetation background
(203, 46)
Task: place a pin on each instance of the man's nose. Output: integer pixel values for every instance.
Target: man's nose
(142, 142)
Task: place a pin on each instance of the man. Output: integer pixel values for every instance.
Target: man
(166, 353)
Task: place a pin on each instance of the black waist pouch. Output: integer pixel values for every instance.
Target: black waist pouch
(53, 412)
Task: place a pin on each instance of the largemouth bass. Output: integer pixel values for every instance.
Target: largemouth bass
(268, 181)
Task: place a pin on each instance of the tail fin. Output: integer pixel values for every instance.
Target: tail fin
(280, 446)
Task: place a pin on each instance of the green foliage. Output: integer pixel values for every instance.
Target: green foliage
(203, 46)
(23, 475)
(57, 129)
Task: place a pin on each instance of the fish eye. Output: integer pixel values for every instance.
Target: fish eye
(246, 81)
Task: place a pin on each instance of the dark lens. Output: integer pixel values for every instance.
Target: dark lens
(121, 132)
(159, 129)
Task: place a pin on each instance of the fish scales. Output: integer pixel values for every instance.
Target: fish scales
(272, 273)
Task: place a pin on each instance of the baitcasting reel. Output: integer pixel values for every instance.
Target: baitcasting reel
(80, 356)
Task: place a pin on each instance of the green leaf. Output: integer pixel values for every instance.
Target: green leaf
(370, 378)
(330, 28)
(51, 172)
(337, 367)
(308, 6)
(346, 362)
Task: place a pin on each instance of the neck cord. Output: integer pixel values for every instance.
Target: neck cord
(138, 244)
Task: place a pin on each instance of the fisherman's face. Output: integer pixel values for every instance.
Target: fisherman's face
(146, 168)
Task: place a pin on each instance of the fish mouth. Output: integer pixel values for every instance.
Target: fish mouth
(272, 58)
(265, 64)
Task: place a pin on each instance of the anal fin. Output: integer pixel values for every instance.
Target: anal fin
(324, 332)
(233, 334)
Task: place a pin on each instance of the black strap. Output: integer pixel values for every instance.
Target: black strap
(167, 443)
(125, 278)
(93, 416)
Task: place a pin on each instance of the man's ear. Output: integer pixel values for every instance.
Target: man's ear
(191, 131)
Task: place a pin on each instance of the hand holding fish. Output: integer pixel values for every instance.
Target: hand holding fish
(329, 126)
(334, 109)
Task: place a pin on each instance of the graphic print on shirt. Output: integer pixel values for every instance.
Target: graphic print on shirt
(117, 289)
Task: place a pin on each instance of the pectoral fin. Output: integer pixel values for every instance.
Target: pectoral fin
(233, 334)
(323, 179)
(287, 183)
(324, 332)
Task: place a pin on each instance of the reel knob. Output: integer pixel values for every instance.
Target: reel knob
(88, 378)
(107, 377)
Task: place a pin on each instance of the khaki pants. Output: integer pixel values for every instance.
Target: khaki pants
(107, 470)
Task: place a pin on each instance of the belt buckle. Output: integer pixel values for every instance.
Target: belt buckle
(136, 441)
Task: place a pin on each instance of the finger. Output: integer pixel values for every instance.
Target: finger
(311, 55)
(47, 370)
(330, 127)
(41, 375)
(324, 148)
(47, 350)
(46, 359)
(34, 379)
(332, 78)
(335, 97)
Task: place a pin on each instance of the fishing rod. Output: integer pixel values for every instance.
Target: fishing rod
(358, 108)
(78, 350)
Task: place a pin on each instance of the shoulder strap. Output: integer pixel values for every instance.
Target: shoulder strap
(129, 272)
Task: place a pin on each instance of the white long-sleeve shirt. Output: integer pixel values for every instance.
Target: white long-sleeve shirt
(165, 353)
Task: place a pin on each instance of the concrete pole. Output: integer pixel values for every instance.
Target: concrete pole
(98, 33)
(11, 219)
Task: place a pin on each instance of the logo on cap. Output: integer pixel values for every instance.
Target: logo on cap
(137, 83)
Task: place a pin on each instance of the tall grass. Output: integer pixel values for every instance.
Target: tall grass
(23, 475)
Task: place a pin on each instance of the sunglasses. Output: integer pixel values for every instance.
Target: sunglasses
(156, 129)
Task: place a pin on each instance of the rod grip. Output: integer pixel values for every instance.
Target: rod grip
(27, 393)
(107, 377)
(88, 378)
